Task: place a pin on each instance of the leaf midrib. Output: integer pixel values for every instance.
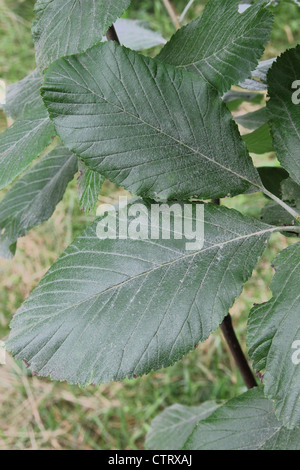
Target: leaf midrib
(145, 273)
(214, 162)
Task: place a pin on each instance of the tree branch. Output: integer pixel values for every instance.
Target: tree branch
(236, 350)
(172, 13)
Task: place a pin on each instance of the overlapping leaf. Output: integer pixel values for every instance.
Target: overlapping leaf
(34, 197)
(247, 422)
(89, 186)
(284, 110)
(171, 429)
(67, 27)
(24, 94)
(30, 134)
(157, 131)
(113, 308)
(21, 143)
(137, 35)
(274, 329)
(223, 46)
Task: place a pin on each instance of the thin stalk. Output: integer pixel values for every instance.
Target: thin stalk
(234, 345)
(288, 228)
(186, 9)
(172, 13)
(236, 351)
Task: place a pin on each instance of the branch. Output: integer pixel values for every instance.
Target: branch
(236, 350)
(172, 13)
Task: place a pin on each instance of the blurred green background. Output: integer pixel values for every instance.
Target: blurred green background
(39, 414)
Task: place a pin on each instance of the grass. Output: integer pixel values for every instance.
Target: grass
(39, 414)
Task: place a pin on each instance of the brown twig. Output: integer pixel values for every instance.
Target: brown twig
(172, 13)
(236, 351)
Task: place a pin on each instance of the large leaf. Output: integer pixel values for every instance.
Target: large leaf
(284, 112)
(157, 131)
(23, 95)
(223, 46)
(66, 27)
(89, 185)
(115, 308)
(34, 197)
(274, 327)
(21, 143)
(171, 429)
(247, 422)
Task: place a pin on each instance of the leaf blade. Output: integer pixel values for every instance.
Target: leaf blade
(75, 327)
(222, 56)
(244, 423)
(135, 134)
(284, 115)
(33, 198)
(273, 328)
(63, 28)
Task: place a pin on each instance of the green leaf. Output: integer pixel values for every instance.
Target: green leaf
(21, 143)
(24, 95)
(284, 110)
(244, 423)
(272, 177)
(261, 73)
(273, 214)
(89, 185)
(252, 120)
(288, 191)
(223, 46)
(67, 27)
(137, 35)
(146, 126)
(115, 308)
(170, 429)
(259, 141)
(263, 68)
(273, 331)
(33, 197)
(291, 192)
